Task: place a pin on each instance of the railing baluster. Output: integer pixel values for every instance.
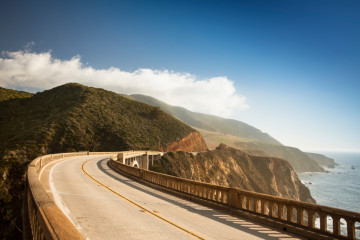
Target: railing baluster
(311, 219)
(263, 202)
(255, 204)
(249, 207)
(350, 228)
(323, 221)
(290, 213)
(271, 208)
(281, 211)
(336, 225)
(300, 216)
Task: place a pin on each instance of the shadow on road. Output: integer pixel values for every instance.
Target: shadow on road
(241, 224)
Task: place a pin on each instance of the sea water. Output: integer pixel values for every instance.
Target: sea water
(339, 187)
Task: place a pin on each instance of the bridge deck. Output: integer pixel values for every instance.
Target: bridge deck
(106, 205)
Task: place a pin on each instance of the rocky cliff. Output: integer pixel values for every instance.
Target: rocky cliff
(231, 167)
(191, 143)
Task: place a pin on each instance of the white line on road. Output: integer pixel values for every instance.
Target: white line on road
(59, 201)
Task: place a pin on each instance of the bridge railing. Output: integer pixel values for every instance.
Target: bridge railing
(306, 219)
(47, 221)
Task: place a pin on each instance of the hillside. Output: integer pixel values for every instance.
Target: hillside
(322, 160)
(231, 167)
(300, 161)
(6, 94)
(216, 130)
(73, 117)
(209, 122)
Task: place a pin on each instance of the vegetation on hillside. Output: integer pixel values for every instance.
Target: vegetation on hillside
(6, 94)
(209, 122)
(70, 118)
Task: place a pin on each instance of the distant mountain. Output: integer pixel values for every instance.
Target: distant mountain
(70, 118)
(300, 161)
(322, 160)
(216, 130)
(209, 122)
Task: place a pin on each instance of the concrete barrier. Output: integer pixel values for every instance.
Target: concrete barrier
(47, 221)
(286, 214)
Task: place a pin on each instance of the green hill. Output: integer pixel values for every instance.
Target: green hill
(6, 94)
(70, 118)
(209, 122)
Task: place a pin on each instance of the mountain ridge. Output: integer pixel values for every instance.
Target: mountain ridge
(216, 130)
(208, 122)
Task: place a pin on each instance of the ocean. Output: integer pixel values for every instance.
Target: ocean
(340, 187)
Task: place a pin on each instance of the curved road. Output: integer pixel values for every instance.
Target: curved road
(103, 204)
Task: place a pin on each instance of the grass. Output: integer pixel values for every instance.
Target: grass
(6, 94)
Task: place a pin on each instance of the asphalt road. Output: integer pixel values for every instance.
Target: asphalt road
(103, 204)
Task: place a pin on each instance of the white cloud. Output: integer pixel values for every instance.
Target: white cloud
(40, 70)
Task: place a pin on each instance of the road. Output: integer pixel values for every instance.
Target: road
(103, 204)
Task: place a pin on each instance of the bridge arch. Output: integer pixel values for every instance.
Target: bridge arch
(135, 164)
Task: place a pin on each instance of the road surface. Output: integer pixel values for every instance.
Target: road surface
(103, 204)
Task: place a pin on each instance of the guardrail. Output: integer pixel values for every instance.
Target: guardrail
(309, 220)
(47, 221)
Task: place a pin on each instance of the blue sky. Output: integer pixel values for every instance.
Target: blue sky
(296, 62)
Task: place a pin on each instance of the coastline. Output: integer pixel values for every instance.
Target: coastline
(337, 187)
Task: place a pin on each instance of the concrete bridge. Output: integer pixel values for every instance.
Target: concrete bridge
(106, 196)
(139, 159)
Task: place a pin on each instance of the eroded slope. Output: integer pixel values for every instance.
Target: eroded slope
(231, 167)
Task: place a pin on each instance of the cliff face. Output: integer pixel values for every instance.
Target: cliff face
(191, 143)
(231, 167)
